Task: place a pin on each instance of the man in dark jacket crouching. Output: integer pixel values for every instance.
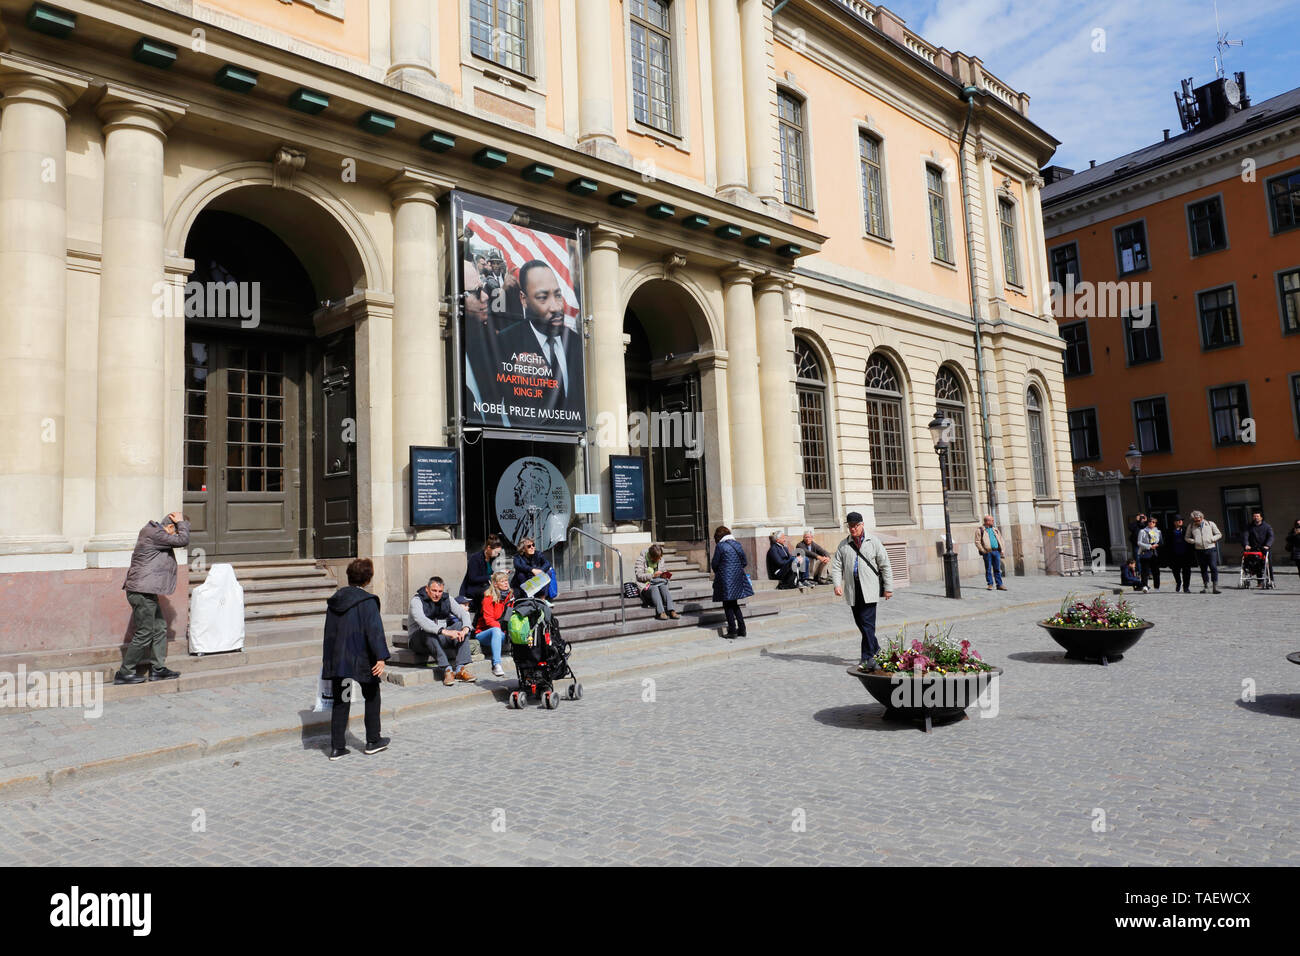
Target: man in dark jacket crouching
(355, 651)
(152, 572)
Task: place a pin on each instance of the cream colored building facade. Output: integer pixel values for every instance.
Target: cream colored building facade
(732, 265)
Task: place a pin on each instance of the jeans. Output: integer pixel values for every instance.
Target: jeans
(735, 620)
(993, 567)
(1150, 565)
(343, 704)
(1209, 561)
(149, 643)
(438, 645)
(490, 640)
(864, 616)
(656, 595)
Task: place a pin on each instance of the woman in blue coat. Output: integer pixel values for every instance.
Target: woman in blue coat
(730, 582)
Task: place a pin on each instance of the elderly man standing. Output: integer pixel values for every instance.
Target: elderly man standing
(870, 578)
(1259, 537)
(1204, 535)
(152, 572)
(988, 541)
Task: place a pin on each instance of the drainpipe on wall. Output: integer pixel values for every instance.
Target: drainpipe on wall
(968, 94)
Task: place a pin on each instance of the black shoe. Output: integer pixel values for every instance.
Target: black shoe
(373, 747)
(340, 752)
(164, 673)
(122, 677)
(741, 632)
(868, 665)
(729, 634)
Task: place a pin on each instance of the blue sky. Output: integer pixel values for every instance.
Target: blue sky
(1103, 104)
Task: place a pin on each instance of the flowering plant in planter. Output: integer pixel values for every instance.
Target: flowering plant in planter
(935, 652)
(1100, 613)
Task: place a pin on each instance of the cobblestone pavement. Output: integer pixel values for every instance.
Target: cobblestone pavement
(774, 757)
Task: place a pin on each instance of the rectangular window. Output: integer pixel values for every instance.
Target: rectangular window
(1284, 201)
(1229, 407)
(1288, 289)
(1142, 336)
(1078, 359)
(1218, 311)
(652, 58)
(790, 114)
(1205, 221)
(1295, 401)
(1085, 439)
(1239, 503)
(1151, 418)
(1065, 263)
(1007, 225)
(498, 31)
(1131, 245)
(873, 185)
(938, 193)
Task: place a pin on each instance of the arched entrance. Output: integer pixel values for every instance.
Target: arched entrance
(270, 435)
(665, 407)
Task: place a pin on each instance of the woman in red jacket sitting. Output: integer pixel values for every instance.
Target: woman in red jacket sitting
(490, 626)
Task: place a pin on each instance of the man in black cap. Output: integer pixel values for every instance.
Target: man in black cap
(870, 578)
(1181, 556)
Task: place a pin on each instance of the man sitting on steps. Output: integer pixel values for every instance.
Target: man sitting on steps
(439, 626)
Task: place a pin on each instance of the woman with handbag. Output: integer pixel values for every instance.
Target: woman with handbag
(652, 584)
(730, 582)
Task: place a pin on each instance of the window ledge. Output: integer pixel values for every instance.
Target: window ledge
(879, 240)
(946, 265)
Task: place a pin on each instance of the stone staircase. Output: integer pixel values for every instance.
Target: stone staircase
(285, 602)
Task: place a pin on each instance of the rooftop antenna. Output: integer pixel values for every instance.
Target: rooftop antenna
(1221, 43)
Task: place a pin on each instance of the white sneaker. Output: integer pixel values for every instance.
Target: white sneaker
(1146, 590)
(498, 670)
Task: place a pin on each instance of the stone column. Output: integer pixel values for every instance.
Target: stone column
(728, 95)
(33, 303)
(595, 72)
(992, 231)
(776, 386)
(411, 24)
(748, 477)
(760, 125)
(131, 414)
(418, 373)
(1036, 247)
(607, 409)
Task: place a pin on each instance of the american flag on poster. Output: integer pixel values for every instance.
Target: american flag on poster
(519, 244)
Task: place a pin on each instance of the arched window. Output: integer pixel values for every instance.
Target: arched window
(886, 431)
(951, 401)
(1037, 442)
(814, 436)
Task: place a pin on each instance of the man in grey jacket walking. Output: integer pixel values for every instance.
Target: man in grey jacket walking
(870, 577)
(152, 572)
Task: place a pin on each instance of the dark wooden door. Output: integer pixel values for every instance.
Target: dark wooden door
(334, 440)
(1093, 516)
(242, 447)
(678, 472)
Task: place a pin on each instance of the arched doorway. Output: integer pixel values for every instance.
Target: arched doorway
(665, 407)
(270, 435)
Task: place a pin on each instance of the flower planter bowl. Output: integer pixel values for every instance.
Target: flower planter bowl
(1294, 658)
(1103, 644)
(934, 697)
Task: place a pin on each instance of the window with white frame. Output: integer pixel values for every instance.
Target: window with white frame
(937, 191)
(498, 31)
(1007, 226)
(794, 157)
(873, 185)
(651, 35)
(1037, 442)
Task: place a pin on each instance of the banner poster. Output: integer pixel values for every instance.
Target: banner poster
(521, 295)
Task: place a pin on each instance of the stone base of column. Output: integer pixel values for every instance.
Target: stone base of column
(741, 196)
(110, 550)
(599, 147)
(35, 544)
(420, 82)
(418, 541)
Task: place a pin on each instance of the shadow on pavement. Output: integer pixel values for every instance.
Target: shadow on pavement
(1049, 657)
(1274, 705)
(860, 717)
(831, 659)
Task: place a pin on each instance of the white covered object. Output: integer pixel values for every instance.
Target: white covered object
(217, 613)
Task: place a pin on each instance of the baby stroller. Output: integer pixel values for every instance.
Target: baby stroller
(1255, 565)
(540, 654)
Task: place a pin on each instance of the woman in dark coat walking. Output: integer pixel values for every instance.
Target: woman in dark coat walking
(730, 582)
(355, 650)
(1293, 544)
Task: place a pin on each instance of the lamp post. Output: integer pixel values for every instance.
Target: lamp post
(1133, 458)
(941, 430)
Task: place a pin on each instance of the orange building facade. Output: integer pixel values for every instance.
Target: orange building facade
(1204, 228)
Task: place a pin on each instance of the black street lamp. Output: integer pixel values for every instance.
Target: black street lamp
(1133, 458)
(941, 431)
